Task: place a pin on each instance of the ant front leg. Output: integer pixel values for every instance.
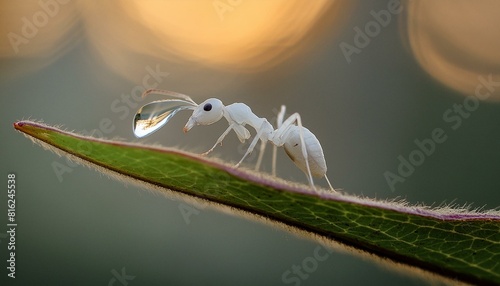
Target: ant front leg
(219, 141)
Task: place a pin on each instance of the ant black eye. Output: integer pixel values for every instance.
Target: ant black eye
(207, 107)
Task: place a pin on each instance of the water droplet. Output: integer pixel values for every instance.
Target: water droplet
(154, 115)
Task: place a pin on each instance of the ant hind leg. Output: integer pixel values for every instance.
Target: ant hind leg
(329, 184)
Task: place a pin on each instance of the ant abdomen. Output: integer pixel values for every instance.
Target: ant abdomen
(293, 149)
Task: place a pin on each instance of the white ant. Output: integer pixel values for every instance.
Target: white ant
(300, 144)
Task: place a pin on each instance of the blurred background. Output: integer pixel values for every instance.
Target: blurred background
(369, 78)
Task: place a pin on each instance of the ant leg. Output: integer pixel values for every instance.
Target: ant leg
(252, 145)
(282, 130)
(328, 181)
(281, 115)
(219, 141)
(279, 122)
(250, 149)
(275, 148)
(261, 155)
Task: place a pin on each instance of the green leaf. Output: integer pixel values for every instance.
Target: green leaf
(453, 243)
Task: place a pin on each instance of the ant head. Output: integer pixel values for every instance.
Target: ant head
(208, 112)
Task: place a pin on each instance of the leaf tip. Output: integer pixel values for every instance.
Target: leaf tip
(19, 124)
